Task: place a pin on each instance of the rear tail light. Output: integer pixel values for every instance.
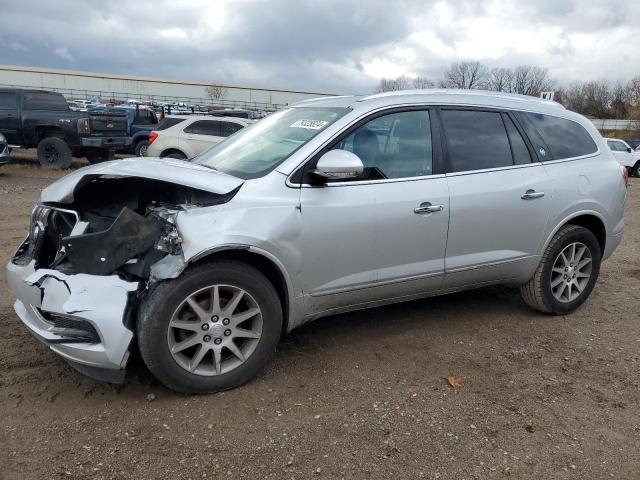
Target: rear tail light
(84, 126)
(152, 137)
(625, 175)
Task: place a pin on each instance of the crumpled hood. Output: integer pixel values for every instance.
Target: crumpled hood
(175, 171)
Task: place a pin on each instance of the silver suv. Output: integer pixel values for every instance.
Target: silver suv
(332, 205)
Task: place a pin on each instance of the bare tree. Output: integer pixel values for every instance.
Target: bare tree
(394, 84)
(591, 98)
(465, 75)
(620, 100)
(633, 92)
(528, 80)
(500, 79)
(216, 92)
(422, 82)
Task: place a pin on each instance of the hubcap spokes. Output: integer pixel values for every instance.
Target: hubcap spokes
(571, 272)
(215, 330)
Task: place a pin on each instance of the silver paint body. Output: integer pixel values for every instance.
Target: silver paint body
(356, 244)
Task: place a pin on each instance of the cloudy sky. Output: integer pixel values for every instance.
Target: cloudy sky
(342, 46)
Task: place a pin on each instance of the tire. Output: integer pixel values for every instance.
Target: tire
(99, 155)
(159, 313)
(635, 171)
(178, 155)
(53, 152)
(538, 292)
(141, 148)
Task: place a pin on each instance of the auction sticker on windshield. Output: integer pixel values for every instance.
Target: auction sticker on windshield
(310, 124)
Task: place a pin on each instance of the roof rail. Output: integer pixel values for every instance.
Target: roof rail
(456, 91)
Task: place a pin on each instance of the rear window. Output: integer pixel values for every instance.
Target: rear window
(44, 101)
(557, 138)
(169, 122)
(205, 127)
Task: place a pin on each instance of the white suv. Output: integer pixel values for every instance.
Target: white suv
(333, 205)
(625, 155)
(184, 137)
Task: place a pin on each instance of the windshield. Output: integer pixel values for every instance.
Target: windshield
(256, 150)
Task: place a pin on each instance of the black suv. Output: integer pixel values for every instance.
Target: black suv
(42, 119)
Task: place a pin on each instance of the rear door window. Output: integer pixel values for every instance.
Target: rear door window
(205, 127)
(476, 140)
(561, 138)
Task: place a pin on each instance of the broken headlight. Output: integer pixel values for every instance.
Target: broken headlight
(39, 220)
(170, 240)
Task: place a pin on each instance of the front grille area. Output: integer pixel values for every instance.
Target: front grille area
(73, 329)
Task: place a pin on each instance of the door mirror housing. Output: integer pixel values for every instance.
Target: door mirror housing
(338, 164)
(629, 149)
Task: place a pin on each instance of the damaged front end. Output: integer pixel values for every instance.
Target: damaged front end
(80, 275)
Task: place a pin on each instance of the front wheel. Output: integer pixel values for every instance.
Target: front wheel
(635, 171)
(211, 329)
(567, 272)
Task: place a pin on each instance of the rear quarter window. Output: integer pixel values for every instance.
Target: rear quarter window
(557, 138)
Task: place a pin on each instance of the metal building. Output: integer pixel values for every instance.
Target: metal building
(81, 85)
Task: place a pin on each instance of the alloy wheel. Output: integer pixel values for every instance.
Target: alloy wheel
(571, 272)
(215, 330)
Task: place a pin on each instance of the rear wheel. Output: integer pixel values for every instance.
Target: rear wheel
(211, 329)
(567, 272)
(141, 148)
(53, 152)
(99, 155)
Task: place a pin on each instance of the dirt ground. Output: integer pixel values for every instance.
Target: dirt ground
(361, 395)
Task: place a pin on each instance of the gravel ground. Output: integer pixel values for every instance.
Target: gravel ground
(361, 395)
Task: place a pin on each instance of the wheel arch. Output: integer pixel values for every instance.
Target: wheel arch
(263, 261)
(44, 131)
(590, 220)
(169, 151)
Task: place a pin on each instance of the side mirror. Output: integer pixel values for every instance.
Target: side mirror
(338, 164)
(629, 149)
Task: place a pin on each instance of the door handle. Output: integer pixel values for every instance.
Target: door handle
(426, 207)
(532, 195)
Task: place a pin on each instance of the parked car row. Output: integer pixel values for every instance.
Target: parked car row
(62, 129)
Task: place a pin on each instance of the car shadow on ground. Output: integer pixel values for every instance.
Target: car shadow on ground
(455, 313)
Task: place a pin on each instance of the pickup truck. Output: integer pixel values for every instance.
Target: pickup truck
(43, 120)
(141, 121)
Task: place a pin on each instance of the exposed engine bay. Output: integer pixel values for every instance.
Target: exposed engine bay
(113, 225)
